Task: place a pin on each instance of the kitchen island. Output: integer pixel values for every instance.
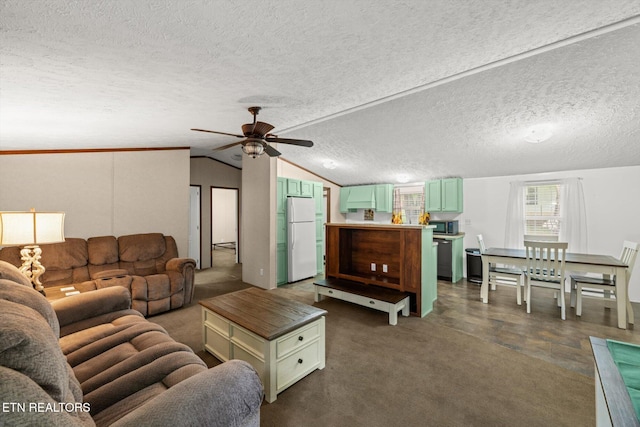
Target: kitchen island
(385, 257)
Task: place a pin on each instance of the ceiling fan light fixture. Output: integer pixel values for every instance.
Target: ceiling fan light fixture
(253, 148)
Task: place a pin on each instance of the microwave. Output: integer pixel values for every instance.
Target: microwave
(445, 227)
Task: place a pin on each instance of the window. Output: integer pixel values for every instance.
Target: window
(542, 210)
(409, 203)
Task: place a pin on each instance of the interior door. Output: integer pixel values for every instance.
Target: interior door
(194, 224)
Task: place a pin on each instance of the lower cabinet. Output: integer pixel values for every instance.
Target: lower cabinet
(279, 362)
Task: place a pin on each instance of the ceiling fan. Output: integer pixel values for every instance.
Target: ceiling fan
(257, 137)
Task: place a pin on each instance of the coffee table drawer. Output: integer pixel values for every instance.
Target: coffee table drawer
(297, 339)
(297, 365)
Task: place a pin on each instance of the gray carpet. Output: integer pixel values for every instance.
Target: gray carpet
(418, 373)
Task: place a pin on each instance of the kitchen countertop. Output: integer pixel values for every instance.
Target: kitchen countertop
(377, 225)
(448, 236)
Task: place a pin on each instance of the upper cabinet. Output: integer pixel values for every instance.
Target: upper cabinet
(443, 195)
(378, 197)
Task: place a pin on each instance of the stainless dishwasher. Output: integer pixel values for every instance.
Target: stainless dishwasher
(445, 267)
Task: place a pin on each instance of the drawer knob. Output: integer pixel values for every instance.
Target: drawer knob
(300, 338)
(372, 302)
(330, 292)
(299, 360)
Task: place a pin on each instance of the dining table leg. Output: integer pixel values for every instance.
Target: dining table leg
(621, 297)
(484, 288)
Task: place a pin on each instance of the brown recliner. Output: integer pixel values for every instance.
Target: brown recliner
(146, 264)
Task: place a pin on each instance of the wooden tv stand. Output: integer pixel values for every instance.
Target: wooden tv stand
(370, 258)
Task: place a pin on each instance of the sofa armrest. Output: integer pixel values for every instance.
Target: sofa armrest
(186, 267)
(90, 304)
(180, 264)
(229, 394)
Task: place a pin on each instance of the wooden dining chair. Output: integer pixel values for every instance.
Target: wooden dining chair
(504, 275)
(605, 286)
(545, 269)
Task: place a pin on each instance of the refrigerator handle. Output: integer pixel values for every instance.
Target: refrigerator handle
(292, 208)
(293, 237)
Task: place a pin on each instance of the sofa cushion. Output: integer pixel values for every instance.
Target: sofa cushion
(28, 345)
(65, 255)
(65, 262)
(102, 250)
(141, 247)
(27, 296)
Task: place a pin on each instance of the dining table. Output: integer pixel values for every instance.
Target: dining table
(574, 262)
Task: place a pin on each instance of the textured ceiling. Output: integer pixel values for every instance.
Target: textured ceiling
(424, 89)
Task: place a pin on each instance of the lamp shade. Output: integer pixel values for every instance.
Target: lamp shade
(31, 228)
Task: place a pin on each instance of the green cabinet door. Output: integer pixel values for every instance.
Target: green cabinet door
(281, 196)
(432, 196)
(293, 187)
(456, 259)
(384, 198)
(306, 188)
(344, 197)
(452, 195)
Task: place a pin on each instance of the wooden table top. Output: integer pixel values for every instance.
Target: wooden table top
(570, 257)
(263, 312)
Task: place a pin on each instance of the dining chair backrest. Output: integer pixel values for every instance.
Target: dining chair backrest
(629, 255)
(483, 248)
(545, 260)
(540, 238)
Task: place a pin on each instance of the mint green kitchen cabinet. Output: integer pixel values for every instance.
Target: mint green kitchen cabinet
(443, 195)
(293, 187)
(384, 198)
(306, 189)
(344, 197)
(378, 197)
(318, 195)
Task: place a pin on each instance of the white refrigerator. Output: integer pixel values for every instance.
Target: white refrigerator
(301, 235)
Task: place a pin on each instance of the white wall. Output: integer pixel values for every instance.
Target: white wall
(612, 198)
(208, 173)
(225, 217)
(103, 193)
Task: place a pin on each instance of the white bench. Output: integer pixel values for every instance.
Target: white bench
(383, 299)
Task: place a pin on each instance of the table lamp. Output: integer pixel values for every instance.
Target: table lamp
(30, 229)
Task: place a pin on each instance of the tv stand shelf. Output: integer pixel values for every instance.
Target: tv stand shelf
(376, 297)
(404, 258)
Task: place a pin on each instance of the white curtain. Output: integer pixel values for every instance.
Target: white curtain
(573, 225)
(514, 232)
(573, 216)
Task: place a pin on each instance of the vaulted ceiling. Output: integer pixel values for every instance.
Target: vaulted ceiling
(422, 89)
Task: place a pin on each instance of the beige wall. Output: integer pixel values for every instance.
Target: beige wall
(208, 173)
(258, 224)
(103, 193)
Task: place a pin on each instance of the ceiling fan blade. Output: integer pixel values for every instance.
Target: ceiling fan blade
(219, 133)
(300, 142)
(224, 147)
(271, 152)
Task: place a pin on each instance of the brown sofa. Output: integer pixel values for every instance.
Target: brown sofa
(146, 264)
(90, 359)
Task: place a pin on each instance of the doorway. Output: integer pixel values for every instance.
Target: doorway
(194, 224)
(224, 225)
